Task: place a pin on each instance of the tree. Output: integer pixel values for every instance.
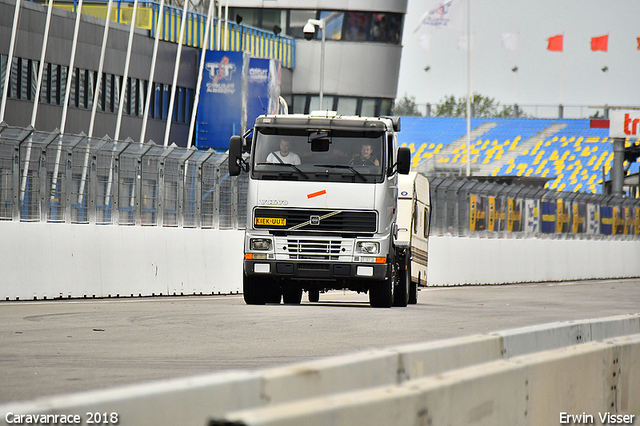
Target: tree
(407, 107)
(482, 107)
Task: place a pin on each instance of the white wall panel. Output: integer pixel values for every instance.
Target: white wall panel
(456, 261)
(41, 260)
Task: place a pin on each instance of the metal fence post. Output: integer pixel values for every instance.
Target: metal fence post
(198, 196)
(137, 206)
(42, 182)
(160, 193)
(44, 194)
(234, 203)
(93, 185)
(68, 174)
(115, 186)
(216, 199)
(15, 170)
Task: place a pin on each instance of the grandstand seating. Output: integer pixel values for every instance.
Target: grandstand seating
(574, 156)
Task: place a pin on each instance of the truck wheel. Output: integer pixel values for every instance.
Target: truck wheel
(413, 289)
(254, 290)
(381, 292)
(413, 293)
(273, 294)
(314, 295)
(401, 297)
(292, 296)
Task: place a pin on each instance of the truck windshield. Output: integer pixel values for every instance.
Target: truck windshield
(318, 155)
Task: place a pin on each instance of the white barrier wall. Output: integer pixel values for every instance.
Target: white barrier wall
(456, 261)
(43, 260)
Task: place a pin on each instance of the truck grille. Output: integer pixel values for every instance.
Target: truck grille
(313, 249)
(316, 220)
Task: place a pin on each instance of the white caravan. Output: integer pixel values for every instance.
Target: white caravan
(322, 208)
(414, 213)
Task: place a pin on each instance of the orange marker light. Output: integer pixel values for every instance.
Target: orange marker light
(381, 259)
(248, 256)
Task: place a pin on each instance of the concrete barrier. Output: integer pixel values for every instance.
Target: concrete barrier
(594, 379)
(48, 261)
(501, 260)
(380, 375)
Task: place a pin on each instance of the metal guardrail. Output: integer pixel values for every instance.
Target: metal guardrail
(53, 177)
(468, 207)
(543, 111)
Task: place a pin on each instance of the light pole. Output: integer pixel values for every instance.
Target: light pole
(309, 31)
(606, 98)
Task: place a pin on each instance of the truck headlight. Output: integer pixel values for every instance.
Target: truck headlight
(260, 244)
(368, 247)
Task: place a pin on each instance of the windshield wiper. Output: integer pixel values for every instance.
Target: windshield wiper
(293, 166)
(343, 166)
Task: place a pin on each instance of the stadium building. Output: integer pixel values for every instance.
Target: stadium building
(361, 53)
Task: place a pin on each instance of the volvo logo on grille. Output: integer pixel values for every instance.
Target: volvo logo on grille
(314, 220)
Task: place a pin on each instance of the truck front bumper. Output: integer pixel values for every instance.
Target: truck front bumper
(316, 270)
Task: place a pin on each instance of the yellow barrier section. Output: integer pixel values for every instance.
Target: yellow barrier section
(143, 15)
(258, 43)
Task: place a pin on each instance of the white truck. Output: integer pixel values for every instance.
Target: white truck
(322, 208)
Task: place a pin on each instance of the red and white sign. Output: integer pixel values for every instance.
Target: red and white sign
(624, 124)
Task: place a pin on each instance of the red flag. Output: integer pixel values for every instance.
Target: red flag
(600, 43)
(638, 43)
(555, 43)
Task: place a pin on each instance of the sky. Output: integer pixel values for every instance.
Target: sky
(572, 77)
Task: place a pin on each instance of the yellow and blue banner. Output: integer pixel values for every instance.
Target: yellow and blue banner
(548, 217)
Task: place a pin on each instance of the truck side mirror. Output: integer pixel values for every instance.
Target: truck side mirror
(404, 160)
(235, 155)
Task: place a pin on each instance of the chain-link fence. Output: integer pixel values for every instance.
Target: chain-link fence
(468, 207)
(49, 177)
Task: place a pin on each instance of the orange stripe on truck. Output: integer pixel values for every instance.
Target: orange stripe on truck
(316, 194)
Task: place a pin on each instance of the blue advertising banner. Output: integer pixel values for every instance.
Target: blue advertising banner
(264, 88)
(221, 113)
(548, 217)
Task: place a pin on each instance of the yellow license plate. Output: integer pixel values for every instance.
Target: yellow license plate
(270, 221)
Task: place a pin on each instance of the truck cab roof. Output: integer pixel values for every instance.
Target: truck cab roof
(328, 120)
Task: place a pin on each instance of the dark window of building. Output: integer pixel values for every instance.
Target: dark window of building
(356, 27)
(127, 97)
(15, 80)
(362, 26)
(3, 71)
(103, 92)
(386, 27)
(45, 88)
(166, 95)
(333, 22)
(73, 98)
(157, 103)
(297, 19)
(63, 71)
(108, 87)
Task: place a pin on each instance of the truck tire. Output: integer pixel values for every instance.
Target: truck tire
(273, 294)
(401, 297)
(381, 293)
(254, 290)
(260, 290)
(413, 293)
(314, 295)
(292, 296)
